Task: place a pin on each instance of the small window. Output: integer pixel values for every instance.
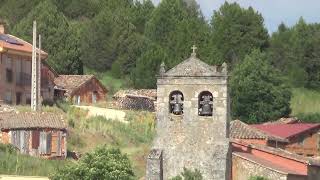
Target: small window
(18, 98)
(8, 97)
(176, 103)
(9, 75)
(77, 100)
(94, 96)
(205, 104)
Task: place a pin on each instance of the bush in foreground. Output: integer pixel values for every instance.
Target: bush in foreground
(102, 163)
(188, 174)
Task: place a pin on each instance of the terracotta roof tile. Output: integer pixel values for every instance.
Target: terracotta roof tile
(147, 93)
(25, 120)
(280, 152)
(22, 45)
(241, 130)
(268, 164)
(71, 83)
(286, 130)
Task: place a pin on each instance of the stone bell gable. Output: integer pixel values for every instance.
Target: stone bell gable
(192, 121)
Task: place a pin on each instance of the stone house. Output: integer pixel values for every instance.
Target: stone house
(79, 89)
(141, 99)
(15, 71)
(272, 163)
(299, 138)
(40, 134)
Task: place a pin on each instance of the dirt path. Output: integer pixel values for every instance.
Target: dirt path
(107, 113)
(11, 177)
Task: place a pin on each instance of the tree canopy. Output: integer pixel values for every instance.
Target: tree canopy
(258, 92)
(102, 163)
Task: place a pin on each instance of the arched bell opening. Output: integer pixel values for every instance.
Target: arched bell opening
(205, 103)
(176, 103)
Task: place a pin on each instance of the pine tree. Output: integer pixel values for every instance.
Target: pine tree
(235, 32)
(258, 92)
(58, 39)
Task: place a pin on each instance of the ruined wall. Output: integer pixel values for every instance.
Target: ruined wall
(190, 140)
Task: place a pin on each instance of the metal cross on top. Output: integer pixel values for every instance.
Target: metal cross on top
(194, 48)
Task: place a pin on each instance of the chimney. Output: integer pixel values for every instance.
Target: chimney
(2, 29)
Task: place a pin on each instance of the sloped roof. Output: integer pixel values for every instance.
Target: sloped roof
(71, 83)
(241, 130)
(286, 130)
(145, 93)
(283, 169)
(10, 42)
(26, 120)
(193, 67)
(278, 152)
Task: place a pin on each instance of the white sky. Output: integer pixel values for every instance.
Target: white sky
(273, 11)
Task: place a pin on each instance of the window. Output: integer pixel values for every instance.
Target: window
(9, 75)
(176, 102)
(18, 98)
(45, 143)
(77, 100)
(301, 140)
(205, 102)
(94, 96)
(8, 97)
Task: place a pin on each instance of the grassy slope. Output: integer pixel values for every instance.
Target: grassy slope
(305, 101)
(134, 138)
(13, 163)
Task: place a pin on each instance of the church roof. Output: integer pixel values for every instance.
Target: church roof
(195, 67)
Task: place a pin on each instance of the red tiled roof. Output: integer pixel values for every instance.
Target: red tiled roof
(241, 130)
(268, 164)
(22, 46)
(286, 130)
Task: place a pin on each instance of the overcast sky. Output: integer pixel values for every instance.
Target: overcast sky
(273, 11)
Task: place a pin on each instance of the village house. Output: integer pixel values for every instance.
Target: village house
(15, 71)
(40, 134)
(272, 163)
(299, 138)
(141, 99)
(79, 89)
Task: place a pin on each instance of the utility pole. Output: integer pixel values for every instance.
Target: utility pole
(39, 76)
(35, 72)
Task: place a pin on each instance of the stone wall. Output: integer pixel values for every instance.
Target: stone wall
(190, 140)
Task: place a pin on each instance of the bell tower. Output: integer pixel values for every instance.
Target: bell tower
(192, 121)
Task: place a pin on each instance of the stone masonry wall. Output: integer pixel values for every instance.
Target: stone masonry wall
(190, 140)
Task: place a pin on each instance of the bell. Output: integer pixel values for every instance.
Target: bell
(177, 109)
(206, 108)
(176, 104)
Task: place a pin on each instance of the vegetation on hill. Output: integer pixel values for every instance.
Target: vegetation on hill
(102, 163)
(259, 93)
(134, 138)
(12, 162)
(127, 40)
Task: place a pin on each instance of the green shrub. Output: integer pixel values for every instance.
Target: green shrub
(309, 117)
(102, 163)
(257, 178)
(189, 175)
